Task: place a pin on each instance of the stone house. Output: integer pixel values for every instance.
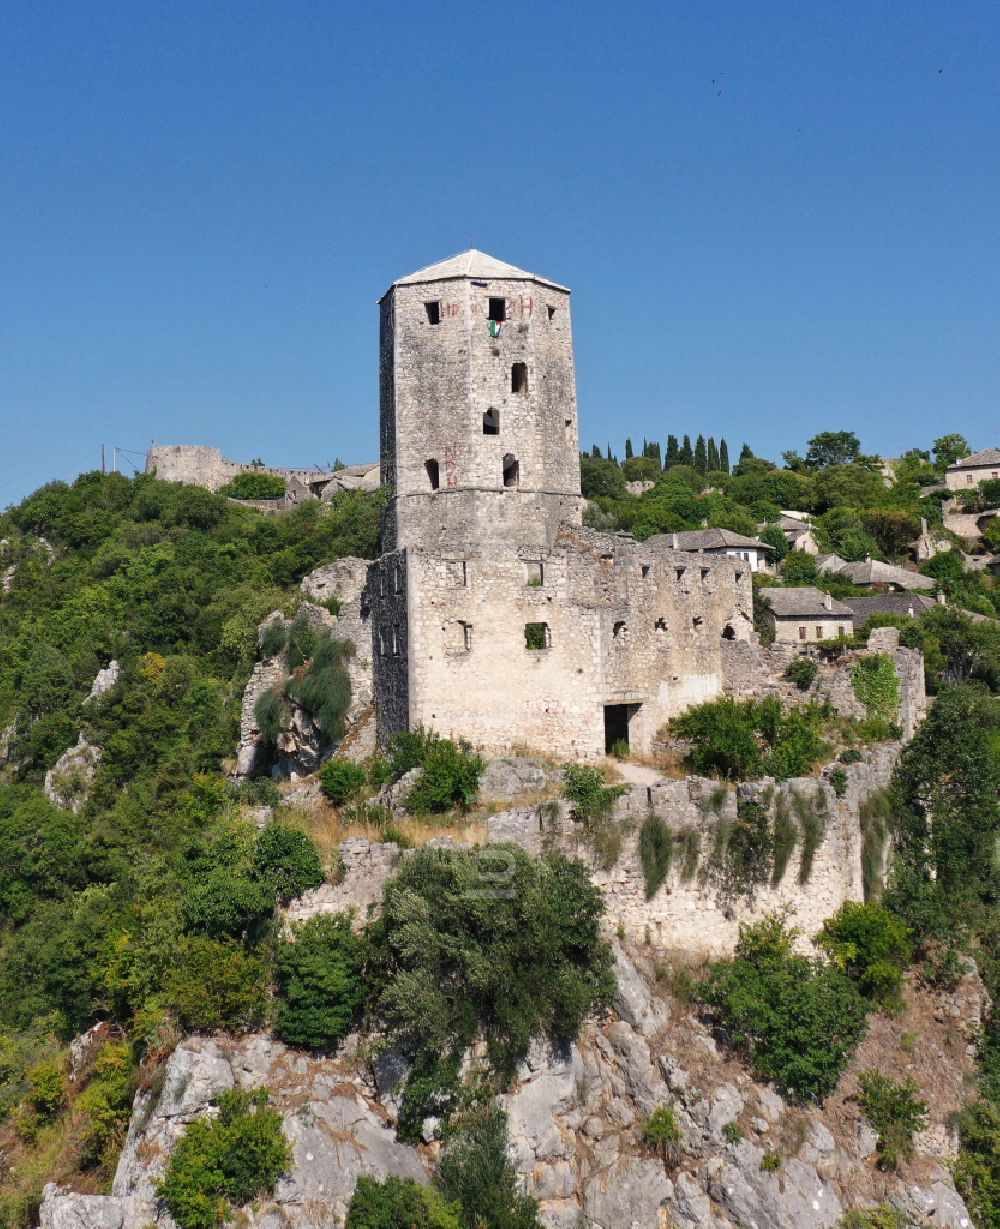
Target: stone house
(798, 532)
(873, 574)
(495, 614)
(807, 615)
(723, 542)
(972, 470)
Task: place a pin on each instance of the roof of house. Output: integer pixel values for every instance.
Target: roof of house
(713, 539)
(475, 265)
(889, 603)
(985, 456)
(873, 572)
(805, 603)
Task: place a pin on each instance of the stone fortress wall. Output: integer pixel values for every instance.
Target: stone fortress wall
(203, 466)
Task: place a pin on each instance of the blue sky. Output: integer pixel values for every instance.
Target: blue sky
(776, 218)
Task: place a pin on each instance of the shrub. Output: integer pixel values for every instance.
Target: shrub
(267, 717)
(46, 1089)
(450, 778)
(662, 1132)
(341, 780)
(732, 1133)
(476, 1172)
(655, 851)
(488, 943)
(323, 689)
(876, 685)
(320, 984)
(795, 1019)
(977, 1170)
(585, 787)
(802, 672)
(251, 485)
(273, 638)
(851, 756)
(399, 1203)
(217, 984)
(743, 740)
(433, 1089)
(895, 1111)
(883, 1216)
(838, 781)
(286, 863)
(872, 946)
(107, 1103)
(224, 1161)
(770, 1162)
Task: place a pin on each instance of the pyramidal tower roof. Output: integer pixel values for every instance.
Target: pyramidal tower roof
(477, 266)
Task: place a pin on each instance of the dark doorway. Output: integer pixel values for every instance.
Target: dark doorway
(616, 719)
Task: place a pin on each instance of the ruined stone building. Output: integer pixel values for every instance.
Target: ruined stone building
(496, 615)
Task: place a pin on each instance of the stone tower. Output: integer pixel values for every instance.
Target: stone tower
(479, 434)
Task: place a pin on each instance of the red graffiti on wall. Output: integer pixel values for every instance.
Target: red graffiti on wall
(450, 465)
(450, 309)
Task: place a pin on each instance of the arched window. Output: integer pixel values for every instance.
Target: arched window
(519, 378)
(491, 422)
(433, 473)
(511, 470)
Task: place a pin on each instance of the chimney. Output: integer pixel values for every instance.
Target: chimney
(827, 602)
(675, 546)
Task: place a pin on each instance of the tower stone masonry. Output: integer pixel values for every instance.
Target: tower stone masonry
(496, 615)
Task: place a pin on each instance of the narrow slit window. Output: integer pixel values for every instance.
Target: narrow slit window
(433, 310)
(511, 471)
(498, 309)
(519, 378)
(536, 636)
(491, 422)
(395, 642)
(552, 312)
(433, 473)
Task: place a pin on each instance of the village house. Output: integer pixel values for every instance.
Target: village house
(722, 542)
(801, 615)
(972, 470)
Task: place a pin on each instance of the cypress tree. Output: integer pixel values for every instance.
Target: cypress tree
(673, 452)
(687, 455)
(610, 457)
(713, 454)
(628, 449)
(654, 451)
(700, 455)
(723, 456)
(595, 452)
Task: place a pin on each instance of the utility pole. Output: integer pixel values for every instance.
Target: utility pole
(104, 465)
(114, 458)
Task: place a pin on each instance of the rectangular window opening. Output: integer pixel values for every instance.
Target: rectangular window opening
(619, 629)
(491, 422)
(617, 722)
(802, 633)
(645, 570)
(433, 473)
(537, 636)
(498, 309)
(519, 378)
(433, 310)
(680, 573)
(535, 574)
(819, 633)
(552, 312)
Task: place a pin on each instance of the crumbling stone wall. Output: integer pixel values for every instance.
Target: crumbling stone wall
(201, 465)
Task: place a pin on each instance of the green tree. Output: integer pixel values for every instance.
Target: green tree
(799, 569)
(895, 1111)
(713, 455)
(723, 456)
(320, 983)
(949, 449)
(833, 448)
(673, 455)
(628, 449)
(700, 459)
(686, 455)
